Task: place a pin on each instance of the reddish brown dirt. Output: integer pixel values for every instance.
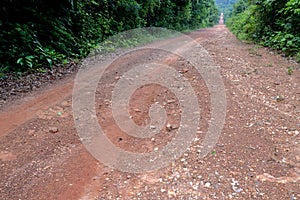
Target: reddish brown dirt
(257, 156)
(28, 109)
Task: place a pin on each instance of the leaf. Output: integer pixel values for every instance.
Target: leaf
(49, 61)
(29, 58)
(29, 64)
(20, 61)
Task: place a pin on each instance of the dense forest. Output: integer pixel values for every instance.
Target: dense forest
(271, 23)
(40, 33)
(225, 7)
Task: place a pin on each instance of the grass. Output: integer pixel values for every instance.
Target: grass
(132, 38)
(290, 70)
(3, 70)
(254, 51)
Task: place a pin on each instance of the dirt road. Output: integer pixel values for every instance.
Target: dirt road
(257, 155)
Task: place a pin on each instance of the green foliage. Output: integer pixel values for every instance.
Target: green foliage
(290, 70)
(268, 22)
(225, 7)
(37, 34)
(132, 38)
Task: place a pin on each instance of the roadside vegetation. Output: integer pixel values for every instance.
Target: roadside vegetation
(225, 7)
(270, 23)
(35, 35)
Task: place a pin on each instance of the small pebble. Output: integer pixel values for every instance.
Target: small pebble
(53, 130)
(207, 184)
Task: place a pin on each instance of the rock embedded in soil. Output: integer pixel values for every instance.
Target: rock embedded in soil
(53, 130)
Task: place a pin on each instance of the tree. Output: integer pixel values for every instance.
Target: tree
(268, 22)
(40, 33)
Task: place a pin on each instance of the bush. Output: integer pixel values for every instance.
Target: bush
(271, 23)
(37, 34)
